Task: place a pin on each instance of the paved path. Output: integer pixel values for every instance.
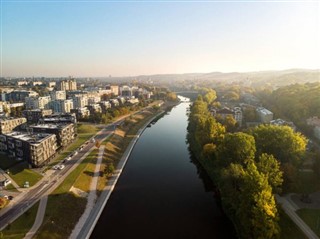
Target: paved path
(91, 197)
(290, 210)
(39, 217)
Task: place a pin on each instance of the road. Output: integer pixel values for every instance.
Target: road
(20, 204)
(47, 185)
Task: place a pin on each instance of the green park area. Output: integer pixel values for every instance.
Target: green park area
(312, 218)
(19, 228)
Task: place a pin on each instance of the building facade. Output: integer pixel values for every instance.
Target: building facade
(265, 115)
(65, 133)
(35, 115)
(36, 149)
(8, 124)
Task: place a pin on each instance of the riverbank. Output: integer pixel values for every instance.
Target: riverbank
(86, 230)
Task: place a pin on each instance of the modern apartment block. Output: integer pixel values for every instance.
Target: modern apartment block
(19, 95)
(65, 133)
(8, 124)
(61, 106)
(65, 85)
(58, 95)
(59, 118)
(36, 149)
(41, 102)
(33, 116)
(79, 101)
(265, 115)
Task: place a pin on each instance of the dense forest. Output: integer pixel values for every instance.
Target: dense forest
(295, 102)
(248, 168)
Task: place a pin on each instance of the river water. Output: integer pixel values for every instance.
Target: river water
(162, 192)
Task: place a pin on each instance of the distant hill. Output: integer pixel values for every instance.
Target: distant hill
(275, 78)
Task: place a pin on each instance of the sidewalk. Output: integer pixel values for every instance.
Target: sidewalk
(91, 197)
(39, 217)
(290, 210)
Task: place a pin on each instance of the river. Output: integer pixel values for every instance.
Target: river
(162, 193)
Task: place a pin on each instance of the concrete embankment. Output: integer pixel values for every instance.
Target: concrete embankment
(92, 220)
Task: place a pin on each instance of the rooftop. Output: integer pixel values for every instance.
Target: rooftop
(31, 138)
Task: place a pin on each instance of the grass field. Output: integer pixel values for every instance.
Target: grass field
(84, 179)
(63, 208)
(312, 218)
(19, 228)
(20, 173)
(288, 228)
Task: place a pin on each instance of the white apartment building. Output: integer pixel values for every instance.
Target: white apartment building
(79, 101)
(58, 95)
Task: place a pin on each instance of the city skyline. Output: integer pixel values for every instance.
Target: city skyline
(102, 38)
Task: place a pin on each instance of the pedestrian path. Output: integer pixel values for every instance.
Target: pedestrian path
(91, 197)
(39, 217)
(291, 212)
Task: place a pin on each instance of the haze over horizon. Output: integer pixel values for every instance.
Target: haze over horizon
(101, 38)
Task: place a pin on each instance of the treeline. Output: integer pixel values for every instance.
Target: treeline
(112, 113)
(248, 168)
(294, 102)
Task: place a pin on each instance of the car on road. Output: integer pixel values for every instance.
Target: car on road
(75, 153)
(92, 140)
(80, 148)
(68, 158)
(61, 167)
(55, 167)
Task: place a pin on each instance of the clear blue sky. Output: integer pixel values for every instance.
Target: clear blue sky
(101, 38)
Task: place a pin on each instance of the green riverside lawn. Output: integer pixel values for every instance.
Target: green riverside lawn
(20, 174)
(22, 225)
(312, 218)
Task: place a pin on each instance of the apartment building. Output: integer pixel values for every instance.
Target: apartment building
(8, 124)
(33, 116)
(61, 106)
(65, 85)
(37, 102)
(19, 95)
(65, 133)
(58, 95)
(79, 101)
(36, 149)
(59, 118)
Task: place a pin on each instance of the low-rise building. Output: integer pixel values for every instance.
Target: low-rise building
(8, 124)
(281, 122)
(265, 115)
(36, 149)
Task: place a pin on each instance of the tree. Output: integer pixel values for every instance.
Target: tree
(97, 144)
(248, 199)
(210, 96)
(281, 142)
(236, 148)
(270, 167)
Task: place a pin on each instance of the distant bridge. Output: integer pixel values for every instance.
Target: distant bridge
(189, 94)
